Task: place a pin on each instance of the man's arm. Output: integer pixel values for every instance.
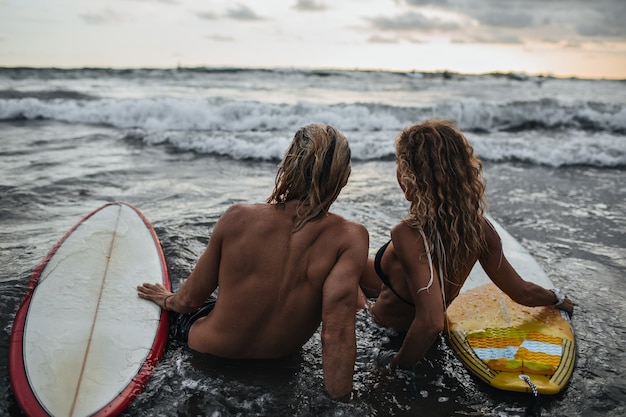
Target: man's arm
(339, 301)
(202, 281)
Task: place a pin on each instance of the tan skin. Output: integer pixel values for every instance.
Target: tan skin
(409, 273)
(275, 287)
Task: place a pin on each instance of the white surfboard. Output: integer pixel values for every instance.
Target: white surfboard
(499, 340)
(83, 343)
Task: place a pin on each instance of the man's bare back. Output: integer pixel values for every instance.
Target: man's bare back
(282, 267)
(276, 279)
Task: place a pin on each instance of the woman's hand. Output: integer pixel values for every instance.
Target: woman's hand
(567, 305)
(384, 363)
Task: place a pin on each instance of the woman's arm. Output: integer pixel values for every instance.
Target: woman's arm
(370, 283)
(429, 319)
(502, 273)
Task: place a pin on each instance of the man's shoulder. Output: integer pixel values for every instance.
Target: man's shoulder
(238, 209)
(351, 227)
(233, 215)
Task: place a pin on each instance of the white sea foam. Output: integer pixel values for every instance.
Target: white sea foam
(161, 114)
(253, 114)
(569, 147)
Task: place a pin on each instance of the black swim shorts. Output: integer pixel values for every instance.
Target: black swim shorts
(183, 322)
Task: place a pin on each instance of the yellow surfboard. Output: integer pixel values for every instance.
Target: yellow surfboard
(508, 345)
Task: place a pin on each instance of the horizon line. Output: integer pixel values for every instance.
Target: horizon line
(511, 73)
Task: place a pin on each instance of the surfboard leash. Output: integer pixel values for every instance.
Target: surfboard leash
(534, 407)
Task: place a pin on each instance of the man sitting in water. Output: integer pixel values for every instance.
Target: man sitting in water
(281, 267)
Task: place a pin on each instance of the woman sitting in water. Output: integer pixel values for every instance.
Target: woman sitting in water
(433, 249)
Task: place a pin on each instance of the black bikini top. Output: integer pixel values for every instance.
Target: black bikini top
(384, 278)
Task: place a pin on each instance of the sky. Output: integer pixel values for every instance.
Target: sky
(581, 38)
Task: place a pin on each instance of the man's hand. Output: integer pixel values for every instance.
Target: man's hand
(155, 293)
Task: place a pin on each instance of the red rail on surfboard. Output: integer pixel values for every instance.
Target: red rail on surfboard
(132, 246)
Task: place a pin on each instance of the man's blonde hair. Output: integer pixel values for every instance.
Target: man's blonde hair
(314, 169)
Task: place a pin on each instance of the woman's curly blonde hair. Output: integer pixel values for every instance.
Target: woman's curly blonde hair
(443, 181)
(314, 169)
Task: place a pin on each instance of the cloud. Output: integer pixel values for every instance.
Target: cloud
(561, 23)
(412, 21)
(220, 38)
(158, 1)
(499, 18)
(382, 39)
(569, 20)
(242, 12)
(104, 17)
(495, 39)
(310, 5)
(607, 25)
(572, 45)
(207, 15)
(588, 29)
(426, 2)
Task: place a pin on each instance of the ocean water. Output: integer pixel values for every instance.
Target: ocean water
(184, 144)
